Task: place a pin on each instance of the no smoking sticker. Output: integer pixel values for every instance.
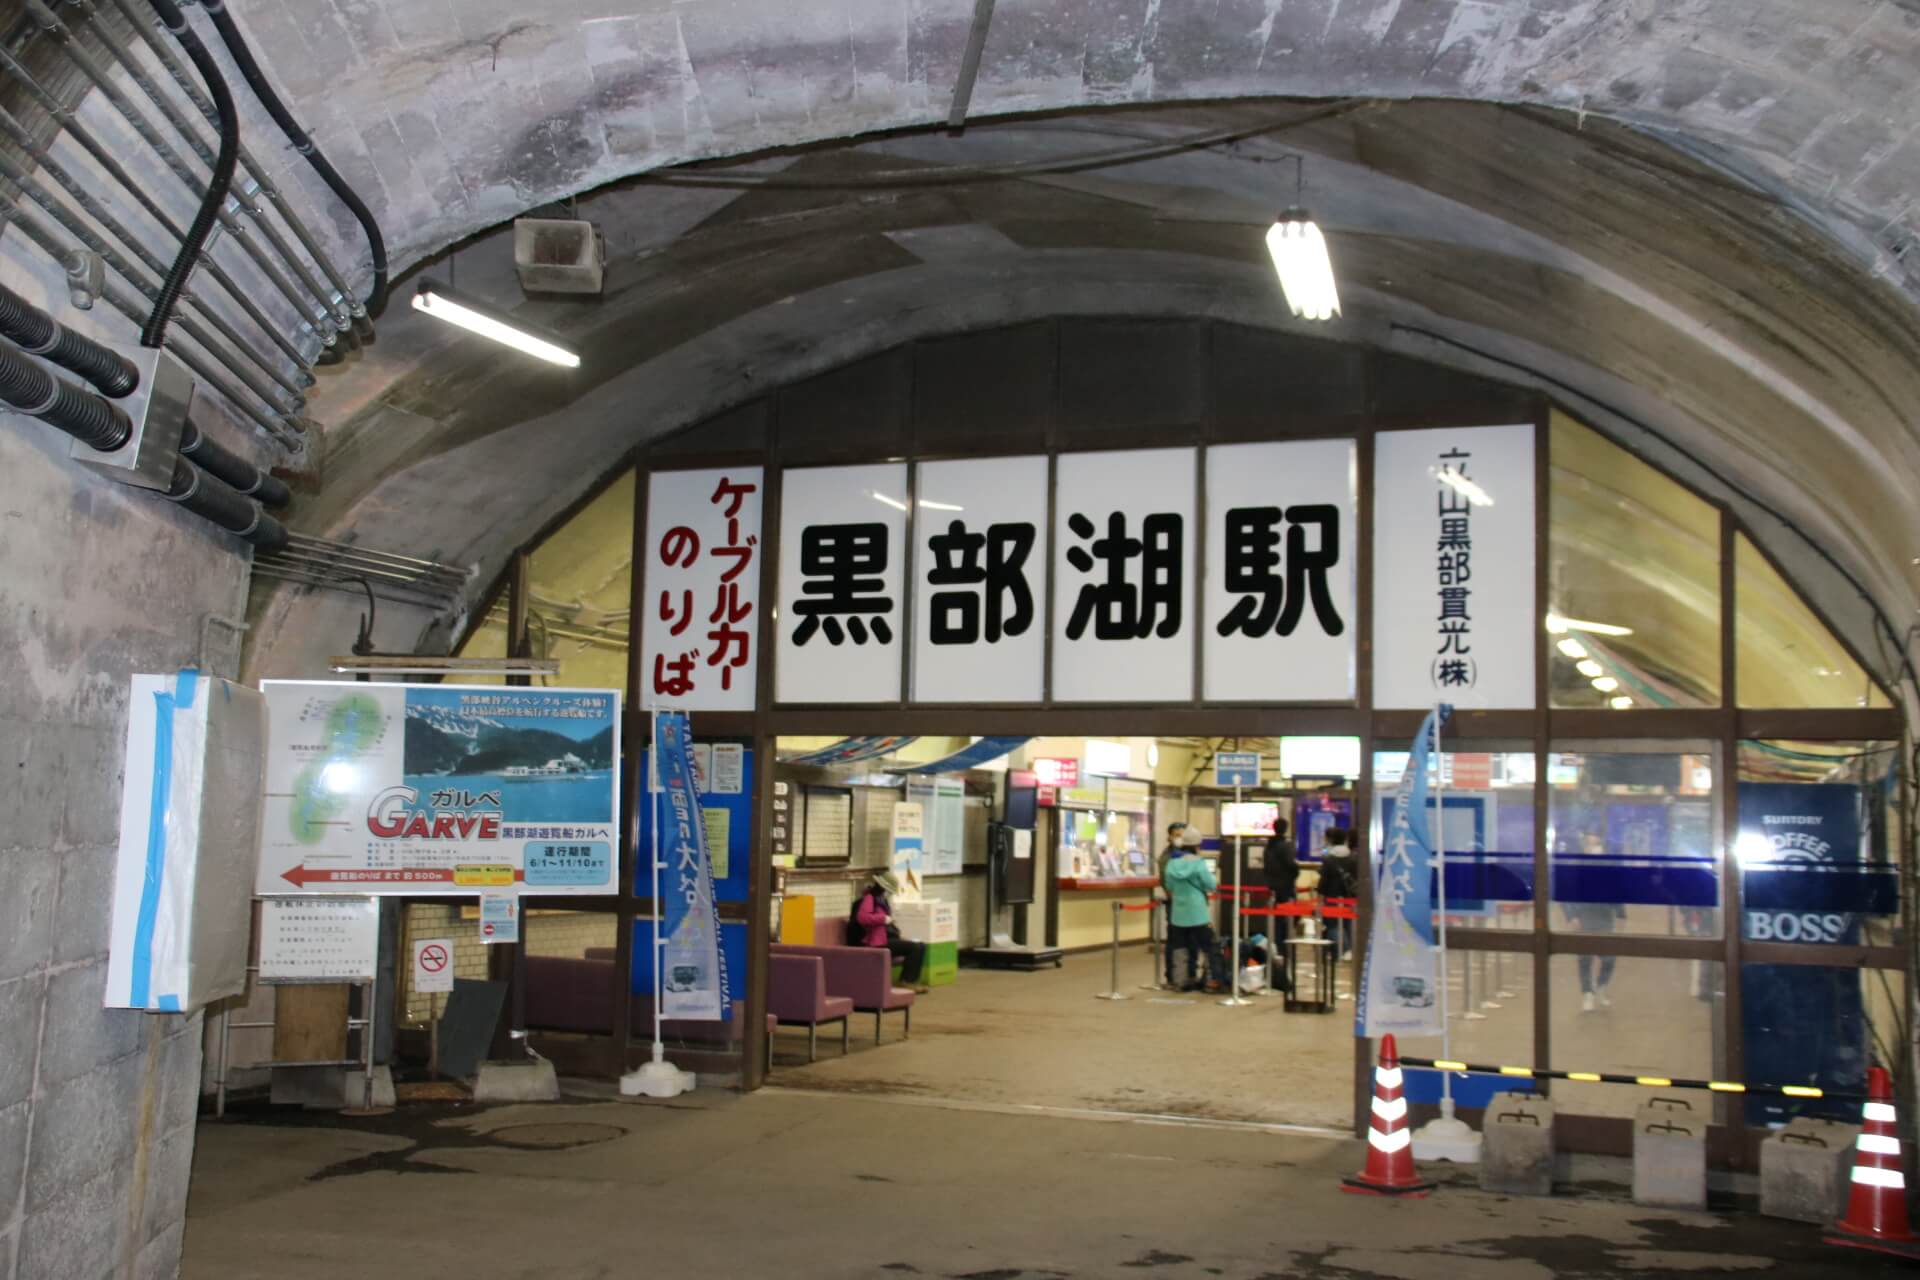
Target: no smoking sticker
(433, 966)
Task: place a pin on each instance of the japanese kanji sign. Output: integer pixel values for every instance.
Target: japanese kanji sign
(843, 553)
(439, 789)
(1453, 600)
(980, 574)
(319, 939)
(1123, 589)
(1280, 572)
(700, 620)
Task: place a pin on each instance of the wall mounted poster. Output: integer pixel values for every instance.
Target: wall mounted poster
(1453, 610)
(403, 788)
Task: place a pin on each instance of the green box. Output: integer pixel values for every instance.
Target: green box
(942, 967)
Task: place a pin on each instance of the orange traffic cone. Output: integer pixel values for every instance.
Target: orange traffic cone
(1389, 1170)
(1877, 1206)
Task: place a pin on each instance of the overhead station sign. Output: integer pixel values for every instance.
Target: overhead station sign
(410, 789)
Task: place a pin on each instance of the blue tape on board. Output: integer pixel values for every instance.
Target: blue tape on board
(140, 981)
(169, 1004)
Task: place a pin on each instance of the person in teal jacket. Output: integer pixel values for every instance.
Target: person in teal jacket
(1189, 880)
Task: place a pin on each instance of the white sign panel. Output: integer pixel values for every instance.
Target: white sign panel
(979, 570)
(1281, 552)
(1123, 577)
(700, 620)
(1454, 615)
(442, 789)
(433, 966)
(319, 939)
(842, 583)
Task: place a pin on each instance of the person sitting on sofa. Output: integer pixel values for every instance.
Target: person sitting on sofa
(872, 926)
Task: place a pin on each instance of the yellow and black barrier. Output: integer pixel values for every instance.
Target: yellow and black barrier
(1645, 1082)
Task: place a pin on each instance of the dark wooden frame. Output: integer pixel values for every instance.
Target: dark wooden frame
(1726, 725)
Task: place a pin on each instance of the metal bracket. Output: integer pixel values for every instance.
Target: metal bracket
(86, 277)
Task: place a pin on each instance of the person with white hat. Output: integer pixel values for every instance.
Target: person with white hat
(871, 925)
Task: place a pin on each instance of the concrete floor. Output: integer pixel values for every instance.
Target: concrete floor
(1041, 1039)
(797, 1186)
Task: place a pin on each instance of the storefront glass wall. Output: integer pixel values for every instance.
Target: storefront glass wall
(1786, 655)
(1633, 575)
(1489, 795)
(1817, 846)
(1638, 1016)
(1633, 841)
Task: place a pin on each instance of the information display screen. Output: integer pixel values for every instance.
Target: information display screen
(1252, 818)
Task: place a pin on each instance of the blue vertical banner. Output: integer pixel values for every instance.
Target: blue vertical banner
(1400, 991)
(693, 978)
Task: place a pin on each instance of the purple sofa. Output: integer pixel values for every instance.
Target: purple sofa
(569, 994)
(797, 995)
(862, 974)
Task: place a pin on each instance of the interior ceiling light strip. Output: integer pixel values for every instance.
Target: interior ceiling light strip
(477, 317)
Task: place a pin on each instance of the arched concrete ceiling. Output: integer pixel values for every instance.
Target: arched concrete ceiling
(1520, 243)
(456, 116)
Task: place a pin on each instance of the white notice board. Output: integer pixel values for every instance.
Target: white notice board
(319, 939)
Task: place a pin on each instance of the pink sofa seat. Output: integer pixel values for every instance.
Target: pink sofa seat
(797, 994)
(568, 994)
(864, 975)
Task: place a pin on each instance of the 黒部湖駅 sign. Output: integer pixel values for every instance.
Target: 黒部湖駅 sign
(440, 789)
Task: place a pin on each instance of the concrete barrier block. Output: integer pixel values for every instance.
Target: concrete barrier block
(1805, 1170)
(1516, 1156)
(516, 1082)
(1670, 1154)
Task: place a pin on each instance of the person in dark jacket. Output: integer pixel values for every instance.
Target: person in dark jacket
(1175, 832)
(1282, 870)
(1339, 878)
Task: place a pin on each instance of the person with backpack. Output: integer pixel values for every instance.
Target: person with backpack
(1189, 880)
(870, 924)
(1339, 878)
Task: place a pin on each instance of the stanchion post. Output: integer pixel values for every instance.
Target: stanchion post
(1113, 991)
(1156, 943)
(1233, 954)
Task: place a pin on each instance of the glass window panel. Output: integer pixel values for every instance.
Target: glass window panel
(1649, 1018)
(1633, 580)
(1818, 842)
(582, 584)
(1632, 839)
(1490, 999)
(1488, 795)
(1784, 654)
(1818, 1025)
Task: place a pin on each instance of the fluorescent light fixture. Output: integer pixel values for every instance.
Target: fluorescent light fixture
(1605, 684)
(1572, 648)
(1620, 702)
(1558, 624)
(895, 503)
(931, 505)
(477, 317)
(1589, 668)
(420, 664)
(1306, 273)
(1466, 488)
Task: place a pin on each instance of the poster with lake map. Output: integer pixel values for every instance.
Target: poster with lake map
(441, 789)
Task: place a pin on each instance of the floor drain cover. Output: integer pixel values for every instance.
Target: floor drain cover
(550, 1137)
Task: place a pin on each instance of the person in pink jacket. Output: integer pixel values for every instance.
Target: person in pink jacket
(872, 926)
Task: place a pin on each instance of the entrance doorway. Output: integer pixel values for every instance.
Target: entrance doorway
(1033, 878)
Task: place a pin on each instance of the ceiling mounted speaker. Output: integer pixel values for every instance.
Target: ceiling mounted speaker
(559, 255)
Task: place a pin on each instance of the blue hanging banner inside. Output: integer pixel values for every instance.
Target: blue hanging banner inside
(693, 981)
(1399, 992)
